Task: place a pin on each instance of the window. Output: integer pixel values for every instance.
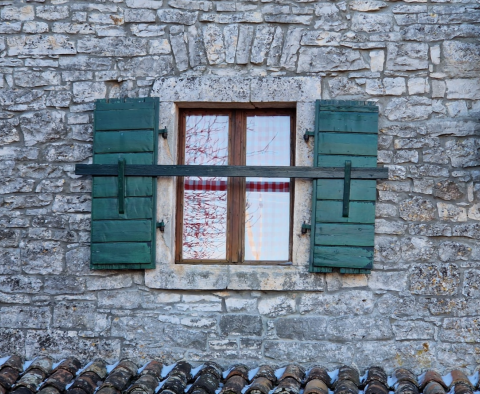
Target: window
(235, 220)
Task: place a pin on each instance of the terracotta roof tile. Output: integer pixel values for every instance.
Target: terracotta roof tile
(98, 367)
(376, 374)
(31, 380)
(346, 387)
(238, 370)
(153, 368)
(59, 379)
(376, 387)
(8, 376)
(434, 388)
(260, 385)
(174, 384)
(404, 375)
(207, 381)
(316, 386)
(288, 385)
(266, 371)
(349, 373)
(319, 373)
(146, 384)
(430, 376)
(406, 387)
(87, 381)
(42, 363)
(14, 362)
(293, 371)
(234, 385)
(460, 377)
(462, 388)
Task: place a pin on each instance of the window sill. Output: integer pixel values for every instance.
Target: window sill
(266, 92)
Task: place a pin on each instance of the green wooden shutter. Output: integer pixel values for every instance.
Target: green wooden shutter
(124, 130)
(345, 131)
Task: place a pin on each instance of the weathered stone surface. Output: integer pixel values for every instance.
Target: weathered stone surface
(24, 317)
(355, 302)
(301, 328)
(240, 325)
(372, 23)
(40, 45)
(42, 126)
(463, 88)
(417, 209)
(435, 279)
(329, 59)
(276, 306)
(213, 40)
(365, 328)
(24, 13)
(408, 109)
(52, 12)
(460, 58)
(413, 330)
(463, 329)
(177, 17)
(245, 37)
(42, 257)
(113, 46)
(367, 5)
(261, 43)
(329, 17)
(403, 57)
(387, 86)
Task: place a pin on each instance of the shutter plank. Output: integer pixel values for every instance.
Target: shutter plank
(121, 231)
(133, 119)
(130, 158)
(107, 186)
(352, 122)
(343, 256)
(329, 211)
(124, 141)
(348, 144)
(336, 234)
(121, 253)
(135, 208)
(360, 190)
(339, 161)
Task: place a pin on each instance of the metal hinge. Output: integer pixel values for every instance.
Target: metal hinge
(306, 227)
(163, 132)
(308, 134)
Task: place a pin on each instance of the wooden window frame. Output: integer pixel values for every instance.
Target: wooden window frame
(236, 187)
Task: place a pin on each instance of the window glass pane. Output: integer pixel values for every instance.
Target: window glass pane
(267, 216)
(205, 198)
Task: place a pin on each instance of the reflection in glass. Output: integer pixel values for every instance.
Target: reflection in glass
(205, 198)
(267, 216)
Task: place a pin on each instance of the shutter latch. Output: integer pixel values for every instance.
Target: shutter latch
(346, 188)
(163, 132)
(308, 134)
(306, 227)
(161, 226)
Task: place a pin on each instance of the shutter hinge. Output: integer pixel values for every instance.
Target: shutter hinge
(161, 226)
(163, 132)
(308, 134)
(306, 227)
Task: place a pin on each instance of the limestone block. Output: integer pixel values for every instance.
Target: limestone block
(177, 16)
(72, 28)
(367, 5)
(329, 59)
(71, 203)
(407, 109)
(289, 19)
(276, 306)
(405, 57)
(276, 48)
(290, 48)
(463, 153)
(418, 86)
(159, 46)
(435, 279)
(329, 17)
(463, 88)
(40, 45)
(386, 86)
(385, 280)
(451, 212)
(301, 328)
(239, 17)
(52, 12)
(343, 86)
(448, 190)
(417, 209)
(413, 330)
(261, 43)
(460, 58)
(12, 13)
(8, 131)
(233, 324)
(177, 39)
(337, 304)
(245, 38)
(24, 316)
(405, 156)
(196, 51)
(113, 46)
(372, 23)
(213, 40)
(321, 38)
(30, 79)
(152, 4)
(35, 27)
(196, 5)
(139, 15)
(464, 329)
(365, 328)
(42, 126)
(235, 304)
(377, 60)
(147, 30)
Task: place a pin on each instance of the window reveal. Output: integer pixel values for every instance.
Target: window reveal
(236, 219)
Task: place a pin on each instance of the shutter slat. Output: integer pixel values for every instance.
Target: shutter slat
(121, 141)
(121, 231)
(345, 131)
(124, 129)
(360, 190)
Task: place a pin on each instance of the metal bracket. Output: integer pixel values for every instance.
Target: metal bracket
(308, 134)
(306, 227)
(346, 188)
(163, 132)
(161, 226)
(121, 186)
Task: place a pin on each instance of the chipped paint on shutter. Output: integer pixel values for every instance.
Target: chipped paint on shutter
(345, 131)
(123, 229)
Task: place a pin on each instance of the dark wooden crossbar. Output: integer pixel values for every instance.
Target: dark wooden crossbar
(232, 171)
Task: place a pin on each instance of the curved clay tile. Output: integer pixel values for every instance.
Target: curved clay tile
(345, 386)
(182, 368)
(128, 365)
(119, 378)
(434, 388)
(288, 386)
(59, 379)
(75, 390)
(406, 387)
(238, 370)
(49, 390)
(405, 375)
(462, 388)
(260, 385)
(295, 372)
(43, 363)
(22, 390)
(349, 373)
(70, 364)
(210, 368)
(319, 373)
(14, 362)
(376, 374)
(99, 367)
(459, 377)
(8, 376)
(175, 384)
(316, 386)
(87, 382)
(431, 376)
(153, 368)
(146, 384)
(31, 380)
(267, 372)
(198, 390)
(376, 387)
(206, 381)
(234, 385)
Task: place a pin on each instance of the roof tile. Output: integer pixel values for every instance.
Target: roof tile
(376, 387)
(206, 381)
(349, 373)
(376, 374)
(234, 385)
(59, 379)
(98, 366)
(175, 384)
(288, 385)
(346, 387)
(87, 381)
(434, 388)
(319, 373)
(8, 376)
(459, 377)
(43, 363)
(406, 387)
(14, 362)
(260, 385)
(431, 376)
(238, 370)
(405, 375)
(295, 372)
(153, 368)
(70, 364)
(316, 386)
(146, 384)
(266, 371)
(462, 388)
(31, 380)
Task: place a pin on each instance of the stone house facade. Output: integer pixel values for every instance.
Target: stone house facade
(418, 60)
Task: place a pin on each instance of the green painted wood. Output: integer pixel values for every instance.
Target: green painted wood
(130, 158)
(341, 234)
(343, 256)
(354, 271)
(118, 104)
(135, 208)
(332, 189)
(121, 186)
(229, 171)
(352, 122)
(104, 186)
(330, 211)
(121, 230)
(347, 106)
(124, 141)
(339, 161)
(319, 270)
(348, 144)
(121, 253)
(133, 119)
(346, 188)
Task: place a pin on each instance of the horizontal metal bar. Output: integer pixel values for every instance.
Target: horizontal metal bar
(231, 171)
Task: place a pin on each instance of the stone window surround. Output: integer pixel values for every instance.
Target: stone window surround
(234, 92)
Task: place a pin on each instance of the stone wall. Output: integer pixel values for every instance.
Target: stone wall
(419, 60)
